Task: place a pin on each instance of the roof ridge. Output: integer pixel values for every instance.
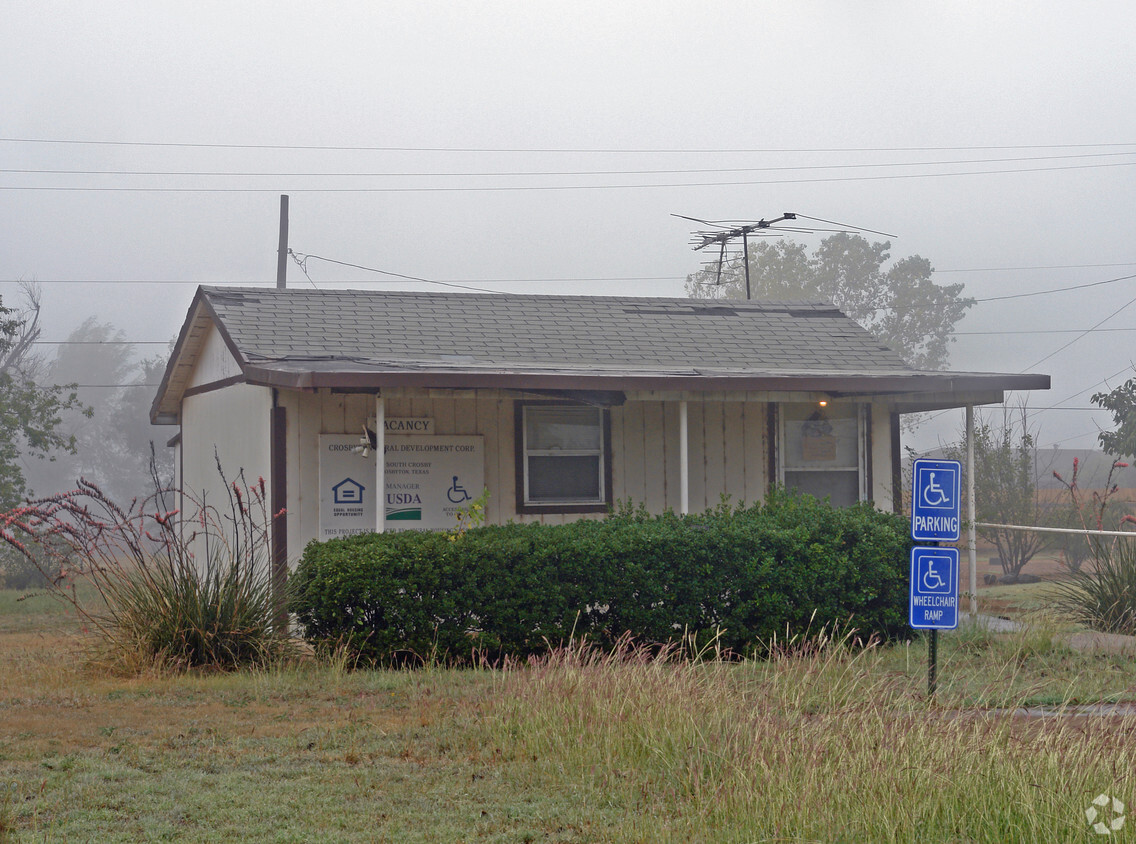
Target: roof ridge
(222, 290)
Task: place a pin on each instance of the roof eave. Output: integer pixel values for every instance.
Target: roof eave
(165, 408)
(947, 383)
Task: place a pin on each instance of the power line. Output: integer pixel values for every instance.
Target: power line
(560, 279)
(1037, 331)
(1083, 334)
(1032, 410)
(1056, 289)
(544, 173)
(356, 281)
(299, 255)
(1102, 382)
(344, 148)
(1051, 443)
(517, 188)
(101, 343)
(1043, 267)
(1074, 340)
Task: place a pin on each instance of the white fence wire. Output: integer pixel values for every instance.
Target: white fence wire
(1079, 532)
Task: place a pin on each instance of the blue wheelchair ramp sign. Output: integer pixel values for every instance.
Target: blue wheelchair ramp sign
(934, 588)
(935, 486)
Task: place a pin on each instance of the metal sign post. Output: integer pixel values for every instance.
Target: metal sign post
(935, 515)
(934, 599)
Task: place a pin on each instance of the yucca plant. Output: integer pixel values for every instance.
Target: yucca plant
(1103, 596)
(176, 588)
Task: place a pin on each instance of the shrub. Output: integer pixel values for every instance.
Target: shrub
(179, 590)
(747, 575)
(1102, 597)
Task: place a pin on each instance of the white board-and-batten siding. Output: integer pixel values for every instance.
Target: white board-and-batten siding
(728, 441)
(728, 452)
(230, 426)
(214, 362)
(728, 448)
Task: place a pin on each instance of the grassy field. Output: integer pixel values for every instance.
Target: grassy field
(817, 745)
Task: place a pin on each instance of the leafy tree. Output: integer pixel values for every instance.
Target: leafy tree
(901, 305)
(131, 439)
(113, 440)
(30, 413)
(1121, 403)
(1005, 490)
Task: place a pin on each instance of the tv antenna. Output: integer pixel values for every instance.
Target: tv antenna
(722, 232)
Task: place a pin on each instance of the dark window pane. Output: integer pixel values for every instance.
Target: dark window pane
(566, 478)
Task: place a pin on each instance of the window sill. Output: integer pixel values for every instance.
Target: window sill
(551, 509)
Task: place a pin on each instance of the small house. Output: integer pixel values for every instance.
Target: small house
(368, 411)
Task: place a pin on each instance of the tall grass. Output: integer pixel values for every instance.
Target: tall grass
(175, 588)
(212, 613)
(812, 745)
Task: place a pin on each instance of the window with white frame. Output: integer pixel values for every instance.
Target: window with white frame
(563, 458)
(823, 451)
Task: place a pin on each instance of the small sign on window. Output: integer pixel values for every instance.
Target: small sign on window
(818, 449)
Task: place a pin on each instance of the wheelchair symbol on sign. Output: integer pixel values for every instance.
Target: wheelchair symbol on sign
(457, 493)
(931, 580)
(933, 494)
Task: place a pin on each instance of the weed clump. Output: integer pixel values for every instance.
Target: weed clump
(1102, 597)
(178, 588)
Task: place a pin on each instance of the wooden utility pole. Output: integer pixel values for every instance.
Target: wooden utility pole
(282, 252)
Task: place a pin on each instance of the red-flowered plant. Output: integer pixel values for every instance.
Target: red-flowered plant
(1102, 597)
(178, 582)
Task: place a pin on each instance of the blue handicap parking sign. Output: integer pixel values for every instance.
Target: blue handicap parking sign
(935, 499)
(934, 588)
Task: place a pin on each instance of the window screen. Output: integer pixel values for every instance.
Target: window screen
(563, 455)
(821, 452)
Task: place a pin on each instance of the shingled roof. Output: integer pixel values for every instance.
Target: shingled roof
(355, 339)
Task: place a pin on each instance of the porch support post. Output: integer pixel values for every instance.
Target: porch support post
(971, 531)
(683, 460)
(380, 465)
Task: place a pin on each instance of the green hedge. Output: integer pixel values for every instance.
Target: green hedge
(790, 563)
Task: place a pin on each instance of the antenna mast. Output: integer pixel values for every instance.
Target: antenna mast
(724, 231)
(723, 238)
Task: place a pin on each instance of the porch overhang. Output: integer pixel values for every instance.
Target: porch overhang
(906, 392)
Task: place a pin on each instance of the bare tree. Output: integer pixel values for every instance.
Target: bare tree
(21, 329)
(1005, 489)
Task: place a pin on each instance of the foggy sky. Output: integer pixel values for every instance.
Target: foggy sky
(1041, 90)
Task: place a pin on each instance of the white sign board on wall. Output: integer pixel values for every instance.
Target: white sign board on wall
(347, 487)
(428, 481)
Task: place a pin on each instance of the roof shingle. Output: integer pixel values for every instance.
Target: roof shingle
(571, 332)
